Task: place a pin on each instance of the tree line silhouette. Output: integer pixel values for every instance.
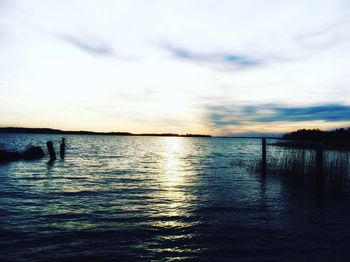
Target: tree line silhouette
(338, 138)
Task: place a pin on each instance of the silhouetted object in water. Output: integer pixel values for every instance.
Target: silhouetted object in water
(6, 156)
(263, 162)
(62, 148)
(51, 150)
(33, 153)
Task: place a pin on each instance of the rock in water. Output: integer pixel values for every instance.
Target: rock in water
(33, 153)
(6, 156)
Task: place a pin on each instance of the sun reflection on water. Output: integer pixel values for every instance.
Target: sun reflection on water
(173, 149)
(174, 195)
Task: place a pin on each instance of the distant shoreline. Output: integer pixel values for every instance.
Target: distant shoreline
(338, 139)
(49, 131)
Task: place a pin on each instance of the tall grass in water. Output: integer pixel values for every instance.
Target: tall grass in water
(337, 169)
(299, 167)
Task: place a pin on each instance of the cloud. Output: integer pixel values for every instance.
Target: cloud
(329, 113)
(237, 115)
(92, 46)
(228, 59)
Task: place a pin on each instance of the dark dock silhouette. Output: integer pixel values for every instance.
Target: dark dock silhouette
(51, 150)
(63, 148)
(33, 153)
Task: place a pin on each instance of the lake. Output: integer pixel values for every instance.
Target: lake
(161, 198)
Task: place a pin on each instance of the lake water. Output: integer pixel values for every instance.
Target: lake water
(161, 198)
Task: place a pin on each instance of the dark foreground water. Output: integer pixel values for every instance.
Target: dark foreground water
(161, 198)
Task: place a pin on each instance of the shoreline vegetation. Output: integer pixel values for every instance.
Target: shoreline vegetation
(315, 157)
(338, 139)
(299, 166)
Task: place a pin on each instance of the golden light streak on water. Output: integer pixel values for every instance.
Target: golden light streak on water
(175, 199)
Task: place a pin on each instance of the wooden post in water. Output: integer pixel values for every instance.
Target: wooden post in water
(263, 162)
(51, 150)
(62, 148)
(319, 166)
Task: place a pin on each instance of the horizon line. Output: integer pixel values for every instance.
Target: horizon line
(46, 130)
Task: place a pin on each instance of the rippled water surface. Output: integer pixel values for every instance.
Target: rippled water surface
(144, 198)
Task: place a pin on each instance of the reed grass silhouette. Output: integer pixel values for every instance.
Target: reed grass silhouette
(298, 166)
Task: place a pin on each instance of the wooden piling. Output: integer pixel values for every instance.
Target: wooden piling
(62, 148)
(51, 150)
(263, 160)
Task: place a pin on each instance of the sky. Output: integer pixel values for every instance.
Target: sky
(217, 67)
